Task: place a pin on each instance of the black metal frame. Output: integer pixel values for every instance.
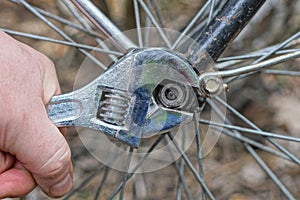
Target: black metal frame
(225, 26)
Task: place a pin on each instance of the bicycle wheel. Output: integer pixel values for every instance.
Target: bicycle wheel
(250, 164)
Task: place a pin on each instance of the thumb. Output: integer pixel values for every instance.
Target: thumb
(57, 181)
(44, 152)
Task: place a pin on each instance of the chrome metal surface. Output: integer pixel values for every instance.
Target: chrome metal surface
(104, 24)
(121, 103)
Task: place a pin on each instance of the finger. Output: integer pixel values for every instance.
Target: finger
(6, 161)
(51, 87)
(16, 182)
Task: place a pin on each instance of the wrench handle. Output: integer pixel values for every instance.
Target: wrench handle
(63, 110)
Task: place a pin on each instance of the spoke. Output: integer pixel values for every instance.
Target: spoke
(243, 118)
(201, 25)
(180, 163)
(147, 25)
(60, 32)
(248, 130)
(277, 47)
(235, 134)
(105, 175)
(211, 11)
(87, 29)
(263, 54)
(226, 64)
(253, 67)
(126, 174)
(104, 24)
(240, 58)
(274, 178)
(199, 152)
(179, 172)
(183, 181)
(138, 23)
(92, 176)
(261, 65)
(281, 72)
(154, 7)
(138, 165)
(181, 169)
(87, 26)
(191, 167)
(155, 23)
(47, 39)
(62, 20)
(190, 25)
(264, 64)
(238, 136)
(85, 182)
(263, 165)
(76, 14)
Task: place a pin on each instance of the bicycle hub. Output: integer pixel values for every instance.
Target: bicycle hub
(172, 94)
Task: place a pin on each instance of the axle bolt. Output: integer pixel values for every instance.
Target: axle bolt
(211, 86)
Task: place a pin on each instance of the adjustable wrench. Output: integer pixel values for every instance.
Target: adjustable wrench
(146, 92)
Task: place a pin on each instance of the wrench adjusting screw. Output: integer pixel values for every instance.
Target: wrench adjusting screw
(113, 107)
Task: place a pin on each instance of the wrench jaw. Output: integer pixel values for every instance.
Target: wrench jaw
(164, 120)
(165, 114)
(171, 77)
(123, 102)
(146, 72)
(161, 118)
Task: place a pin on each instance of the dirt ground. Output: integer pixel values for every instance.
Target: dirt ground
(271, 102)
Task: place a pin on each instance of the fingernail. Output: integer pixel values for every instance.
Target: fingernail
(63, 187)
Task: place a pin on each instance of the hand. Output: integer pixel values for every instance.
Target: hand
(32, 150)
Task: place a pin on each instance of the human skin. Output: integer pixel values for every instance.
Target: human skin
(32, 150)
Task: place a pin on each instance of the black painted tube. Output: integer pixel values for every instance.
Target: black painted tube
(227, 24)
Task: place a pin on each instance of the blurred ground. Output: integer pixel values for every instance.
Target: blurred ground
(272, 102)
